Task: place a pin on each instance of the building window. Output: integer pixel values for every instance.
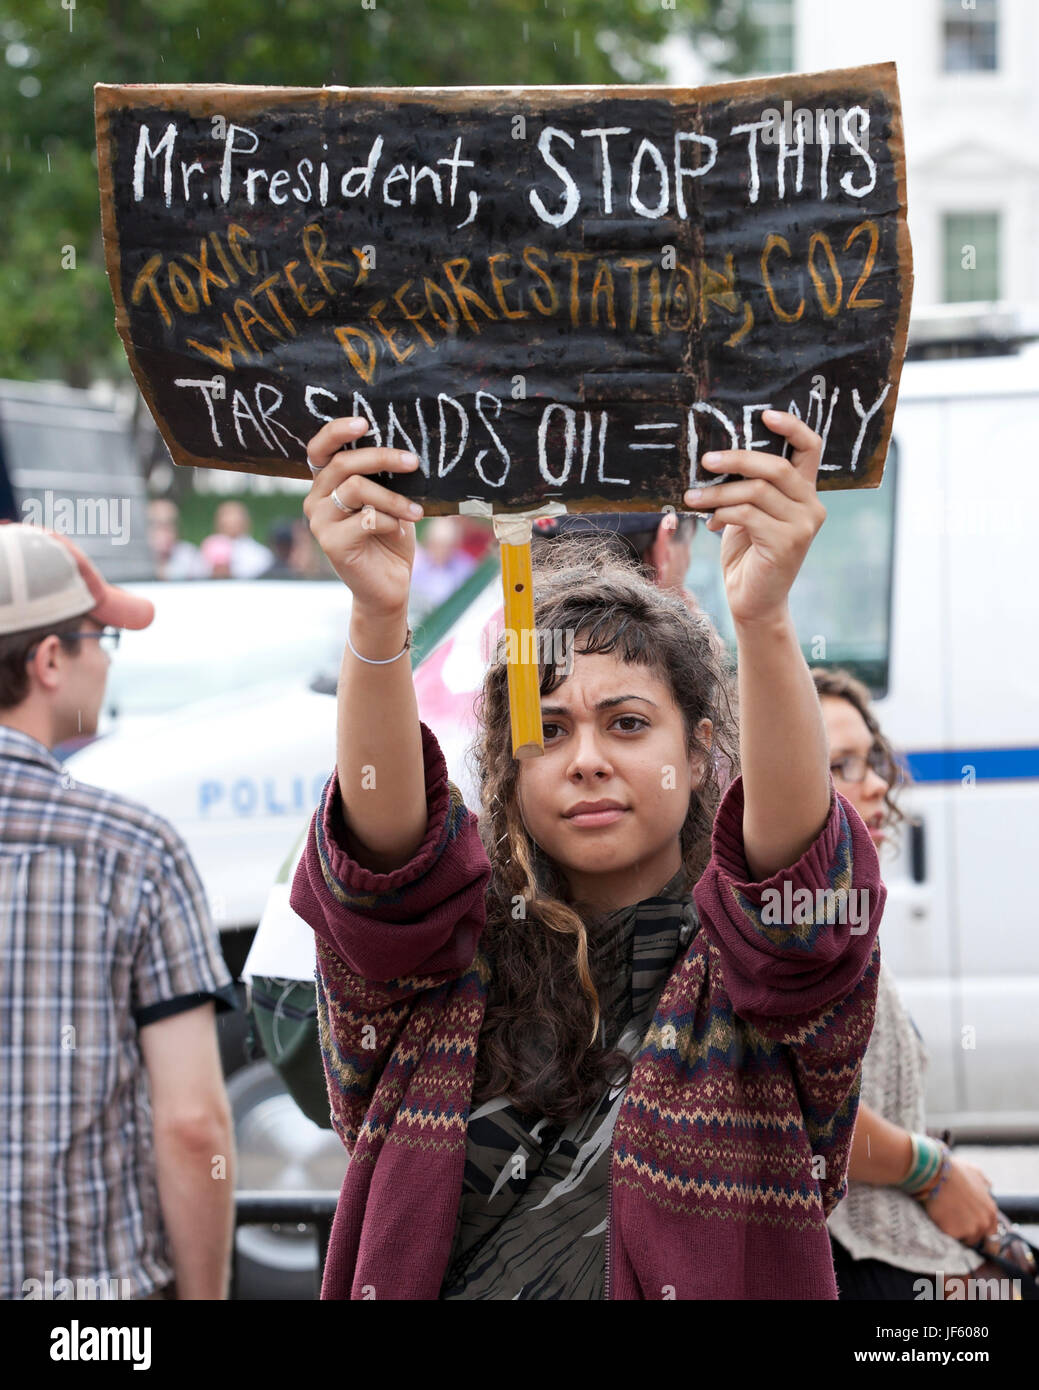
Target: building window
(773, 21)
(971, 256)
(971, 36)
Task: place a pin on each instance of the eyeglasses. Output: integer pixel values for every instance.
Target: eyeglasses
(854, 768)
(108, 637)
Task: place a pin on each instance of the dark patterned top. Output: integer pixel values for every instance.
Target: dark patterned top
(532, 1218)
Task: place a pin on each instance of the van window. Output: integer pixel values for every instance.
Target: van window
(841, 600)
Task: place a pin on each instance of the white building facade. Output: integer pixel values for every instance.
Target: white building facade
(969, 77)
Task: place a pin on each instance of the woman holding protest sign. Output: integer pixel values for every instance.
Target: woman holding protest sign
(570, 1052)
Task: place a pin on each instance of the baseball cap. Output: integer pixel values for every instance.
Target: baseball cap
(44, 578)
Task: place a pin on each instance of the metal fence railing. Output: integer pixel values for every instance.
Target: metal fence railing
(317, 1209)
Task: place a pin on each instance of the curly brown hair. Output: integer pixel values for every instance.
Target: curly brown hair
(538, 1043)
(842, 685)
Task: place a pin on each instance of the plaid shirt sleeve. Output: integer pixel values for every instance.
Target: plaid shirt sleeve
(179, 964)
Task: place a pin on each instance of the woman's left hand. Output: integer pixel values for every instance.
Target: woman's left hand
(770, 517)
(963, 1207)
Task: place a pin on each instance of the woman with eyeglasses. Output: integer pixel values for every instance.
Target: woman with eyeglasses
(911, 1209)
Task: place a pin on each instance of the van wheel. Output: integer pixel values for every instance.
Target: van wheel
(279, 1149)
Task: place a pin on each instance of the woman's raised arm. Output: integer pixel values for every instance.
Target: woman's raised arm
(771, 517)
(372, 549)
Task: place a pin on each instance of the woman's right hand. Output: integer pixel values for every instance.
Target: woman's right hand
(964, 1208)
(372, 550)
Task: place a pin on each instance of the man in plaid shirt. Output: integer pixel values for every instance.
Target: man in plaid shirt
(116, 1148)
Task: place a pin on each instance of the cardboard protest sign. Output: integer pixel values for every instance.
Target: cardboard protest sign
(553, 293)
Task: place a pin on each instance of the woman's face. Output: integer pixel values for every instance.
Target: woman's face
(848, 735)
(612, 733)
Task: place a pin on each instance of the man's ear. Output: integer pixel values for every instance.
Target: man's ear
(45, 663)
(657, 554)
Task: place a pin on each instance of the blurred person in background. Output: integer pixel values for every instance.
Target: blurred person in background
(307, 558)
(296, 554)
(280, 542)
(660, 542)
(117, 1161)
(441, 565)
(476, 536)
(249, 559)
(217, 554)
(912, 1209)
(174, 558)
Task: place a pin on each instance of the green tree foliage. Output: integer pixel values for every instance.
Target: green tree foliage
(56, 315)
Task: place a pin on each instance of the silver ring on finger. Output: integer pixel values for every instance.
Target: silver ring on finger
(347, 511)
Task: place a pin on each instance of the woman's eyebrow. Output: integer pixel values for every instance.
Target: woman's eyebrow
(603, 704)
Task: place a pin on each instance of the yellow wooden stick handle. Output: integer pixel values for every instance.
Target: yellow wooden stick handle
(524, 690)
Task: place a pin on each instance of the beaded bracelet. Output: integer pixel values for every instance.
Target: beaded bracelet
(942, 1176)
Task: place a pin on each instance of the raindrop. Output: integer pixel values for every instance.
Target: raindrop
(30, 86)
